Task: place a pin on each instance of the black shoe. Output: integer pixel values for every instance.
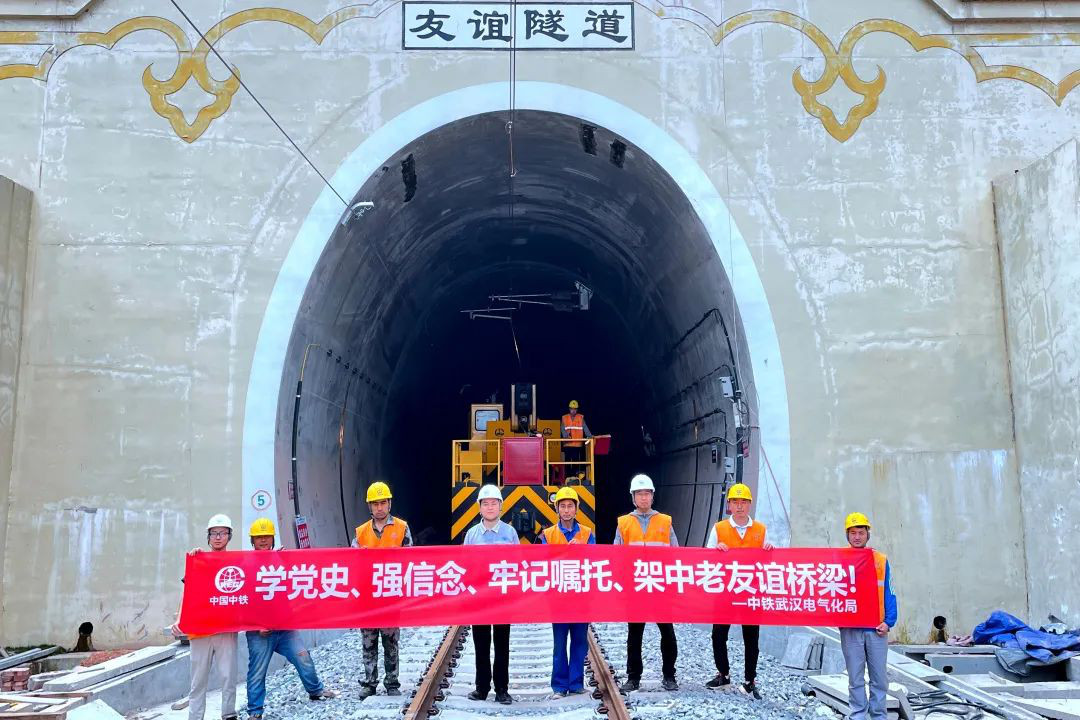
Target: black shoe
(669, 684)
(477, 695)
(393, 691)
(719, 682)
(630, 685)
(750, 688)
(503, 698)
(366, 691)
(579, 691)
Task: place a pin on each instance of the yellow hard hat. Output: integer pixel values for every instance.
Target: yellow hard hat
(856, 519)
(739, 491)
(573, 405)
(566, 493)
(261, 528)
(378, 491)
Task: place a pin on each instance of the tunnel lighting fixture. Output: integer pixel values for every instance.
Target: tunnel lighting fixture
(356, 211)
(490, 313)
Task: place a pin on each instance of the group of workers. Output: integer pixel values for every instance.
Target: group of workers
(864, 649)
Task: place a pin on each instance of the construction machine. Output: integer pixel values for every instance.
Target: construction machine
(522, 455)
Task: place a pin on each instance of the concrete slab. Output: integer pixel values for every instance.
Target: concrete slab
(1072, 669)
(837, 687)
(943, 649)
(112, 668)
(94, 710)
(800, 652)
(1057, 709)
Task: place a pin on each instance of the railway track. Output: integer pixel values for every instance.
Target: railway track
(442, 688)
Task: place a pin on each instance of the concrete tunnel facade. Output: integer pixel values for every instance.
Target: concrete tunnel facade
(893, 263)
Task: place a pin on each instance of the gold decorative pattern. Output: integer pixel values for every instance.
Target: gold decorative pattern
(192, 61)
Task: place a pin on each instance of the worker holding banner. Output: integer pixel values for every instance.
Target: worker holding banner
(645, 526)
(867, 649)
(262, 644)
(382, 530)
(568, 673)
(738, 531)
(491, 531)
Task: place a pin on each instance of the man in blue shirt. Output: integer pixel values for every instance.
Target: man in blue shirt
(866, 649)
(491, 531)
(568, 674)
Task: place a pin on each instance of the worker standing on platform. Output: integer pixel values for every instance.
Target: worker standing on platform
(867, 649)
(645, 526)
(574, 429)
(383, 530)
(262, 644)
(568, 674)
(206, 649)
(491, 531)
(738, 531)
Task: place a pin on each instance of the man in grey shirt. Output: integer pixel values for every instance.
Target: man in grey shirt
(491, 531)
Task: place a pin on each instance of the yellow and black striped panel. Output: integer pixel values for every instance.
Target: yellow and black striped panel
(527, 507)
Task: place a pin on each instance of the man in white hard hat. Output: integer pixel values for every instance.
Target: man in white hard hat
(645, 526)
(867, 649)
(208, 649)
(491, 531)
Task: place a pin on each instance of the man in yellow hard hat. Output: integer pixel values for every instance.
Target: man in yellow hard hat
(568, 673)
(262, 644)
(645, 526)
(219, 648)
(383, 530)
(738, 531)
(867, 649)
(573, 428)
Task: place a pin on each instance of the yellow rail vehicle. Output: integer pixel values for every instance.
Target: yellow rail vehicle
(523, 456)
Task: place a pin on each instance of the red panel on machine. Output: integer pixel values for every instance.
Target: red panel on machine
(523, 461)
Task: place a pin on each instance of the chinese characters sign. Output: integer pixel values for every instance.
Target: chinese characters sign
(450, 585)
(524, 26)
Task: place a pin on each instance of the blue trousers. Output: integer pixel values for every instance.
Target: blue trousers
(286, 643)
(568, 669)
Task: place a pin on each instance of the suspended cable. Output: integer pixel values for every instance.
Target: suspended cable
(257, 102)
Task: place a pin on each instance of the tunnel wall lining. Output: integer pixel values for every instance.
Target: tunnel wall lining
(260, 415)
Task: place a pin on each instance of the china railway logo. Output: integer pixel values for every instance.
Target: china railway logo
(229, 579)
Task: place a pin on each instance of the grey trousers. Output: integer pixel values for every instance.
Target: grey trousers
(219, 649)
(865, 651)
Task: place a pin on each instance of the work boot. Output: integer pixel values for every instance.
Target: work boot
(630, 685)
(323, 695)
(393, 691)
(750, 688)
(669, 684)
(719, 682)
(503, 698)
(367, 691)
(477, 695)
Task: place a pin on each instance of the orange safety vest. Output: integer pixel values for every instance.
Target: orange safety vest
(727, 534)
(658, 531)
(575, 426)
(393, 534)
(554, 536)
(880, 561)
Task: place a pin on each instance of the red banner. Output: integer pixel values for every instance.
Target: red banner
(495, 584)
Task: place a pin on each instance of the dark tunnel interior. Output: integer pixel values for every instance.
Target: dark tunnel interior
(391, 364)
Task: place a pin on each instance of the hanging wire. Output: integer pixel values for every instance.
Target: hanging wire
(257, 102)
(513, 101)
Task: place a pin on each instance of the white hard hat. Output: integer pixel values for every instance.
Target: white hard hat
(489, 492)
(641, 482)
(219, 520)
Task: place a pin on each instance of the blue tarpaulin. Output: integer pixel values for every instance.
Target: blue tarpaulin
(1021, 647)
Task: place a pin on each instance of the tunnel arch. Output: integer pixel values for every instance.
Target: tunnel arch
(273, 372)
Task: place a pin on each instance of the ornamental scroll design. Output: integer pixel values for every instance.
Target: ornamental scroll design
(838, 58)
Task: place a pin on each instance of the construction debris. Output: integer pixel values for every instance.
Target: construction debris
(85, 677)
(14, 679)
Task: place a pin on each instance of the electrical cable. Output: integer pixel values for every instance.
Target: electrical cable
(257, 102)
